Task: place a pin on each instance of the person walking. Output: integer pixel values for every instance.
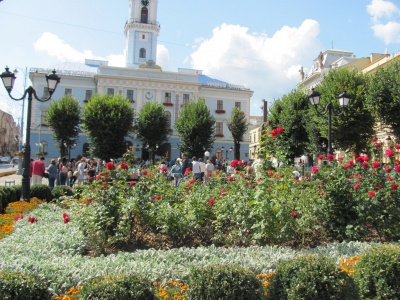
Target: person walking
(185, 164)
(176, 172)
(63, 170)
(202, 166)
(209, 170)
(52, 170)
(81, 171)
(196, 168)
(38, 170)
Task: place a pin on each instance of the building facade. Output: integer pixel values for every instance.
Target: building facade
(9, 134)
(140, 81)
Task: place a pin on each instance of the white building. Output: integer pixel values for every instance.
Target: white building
(140, 81)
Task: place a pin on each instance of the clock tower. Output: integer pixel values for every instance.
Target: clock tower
(141, 32)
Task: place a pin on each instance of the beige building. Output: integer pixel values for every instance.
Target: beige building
(9, 134)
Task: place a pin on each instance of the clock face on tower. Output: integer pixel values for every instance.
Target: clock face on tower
(145, 2)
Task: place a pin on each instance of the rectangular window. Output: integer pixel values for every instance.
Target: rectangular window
(68, 92)
(110, 91)
(129, 94)
(238, 105)
(219, 128)
(167, 97)
(88, 94)
(220, 105)
(43, 114)
(186, 98)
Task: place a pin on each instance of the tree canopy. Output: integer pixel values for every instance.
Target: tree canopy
(238, 126)
(108, 120)
(63, 116)
(196, 127)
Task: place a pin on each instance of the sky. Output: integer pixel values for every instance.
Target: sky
(261, 44)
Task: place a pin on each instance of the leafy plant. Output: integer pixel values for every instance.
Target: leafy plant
(42, 192)
(223, 282)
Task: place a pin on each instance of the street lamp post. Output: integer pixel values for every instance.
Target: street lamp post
(344, 100)
(69, 146)
(8, 79)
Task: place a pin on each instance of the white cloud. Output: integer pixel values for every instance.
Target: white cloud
(385, 20)
(162, 56)
(55, 47)
(268, 65)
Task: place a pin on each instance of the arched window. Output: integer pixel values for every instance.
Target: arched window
(142, 53)
(168, 119)
(144, 15)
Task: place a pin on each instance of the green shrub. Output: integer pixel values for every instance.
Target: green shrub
(378, 273)
(117, 287)
(42, 192)
(62, 190)
(311, 277)
(223, 282)
(17, 285)
(17, 192)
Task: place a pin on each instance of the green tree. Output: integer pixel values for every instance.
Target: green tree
(63, 116)
(383, 96)
(238, 126)
(107, 121)
(353, 129)
(196, 127)
(291, 113)
(153, 126)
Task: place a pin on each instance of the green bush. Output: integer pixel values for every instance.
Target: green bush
(223, 282)
(117, 287)
(62, 190)
(17, 192)
(42, 192)
(378, 273)
(17, 285)
(311, 277)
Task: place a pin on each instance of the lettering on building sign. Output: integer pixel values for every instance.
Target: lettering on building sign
(226, 85)
(151, 75)
(62, 72)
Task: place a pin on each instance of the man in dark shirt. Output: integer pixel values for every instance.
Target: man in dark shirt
(185, 163)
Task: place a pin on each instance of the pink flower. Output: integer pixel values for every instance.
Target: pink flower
(330, 157)
(356, 186)
(211, 202)
(294, 215)
(376, 164)
(395, 186)
(389, 153)
(314, 170)
(371, 194)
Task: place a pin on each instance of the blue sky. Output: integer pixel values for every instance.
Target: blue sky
(261, 43)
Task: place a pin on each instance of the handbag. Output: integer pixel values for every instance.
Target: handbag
(46, 175)
(76, 173)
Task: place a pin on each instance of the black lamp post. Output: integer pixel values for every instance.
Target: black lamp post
(8, 79)
(344, 100)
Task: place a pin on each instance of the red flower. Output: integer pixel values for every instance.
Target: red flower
(356, 186)
(270, 173)
(374, 140)
(389, 178)
(276, 131)
(394, 186)
(211, 202)
(65, 215)
(371, 194)
(98, 177)
(193, 180)
(355, 154)
(187, 171)
(376, 164)
(387, 169)
(158, 197)
(348, 164)
(330, 157)
(164, 170)
(144, 173)
(397, 146)
(110, 166)
(209, 174)
(32, 219)
(320, 157)
(365, 165)
(378, 145)
(236, 163)
(314, 170)
(340, 159)
(66, 220)
(230, 178)
(277, 176)
(280, 130)
(217, 172)
(131, 183)
(223, 191)
(397, 168)
(18, 218)
(389, 152)
(378, 187)
(90, 178)
(124, 166)
(294, 215)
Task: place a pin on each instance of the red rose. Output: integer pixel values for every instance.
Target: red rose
(230, 178)
(211, 202)
(397, 168)
(294, 215)
(356, 186)
(378, 145)
(314, 170)
(90, 179)
(110, 166)
(66, 220)
(164, 169)
(158, 197)
(65, 215)
(131, 183)
(387, 169)
(124, 166)
(365, 165)
(374, 140)
(389, 152)
(371, 194)
(376, 164)
(193, 180)
(18, 218)
(397, 146)
(223, 191)
(330, 157)
(187, 171)
(394, 186)
(320, 157)
(144, 173)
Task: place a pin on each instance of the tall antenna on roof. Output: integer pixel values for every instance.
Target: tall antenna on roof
(332, 44)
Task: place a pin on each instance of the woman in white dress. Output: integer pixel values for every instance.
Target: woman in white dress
(81, 170)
